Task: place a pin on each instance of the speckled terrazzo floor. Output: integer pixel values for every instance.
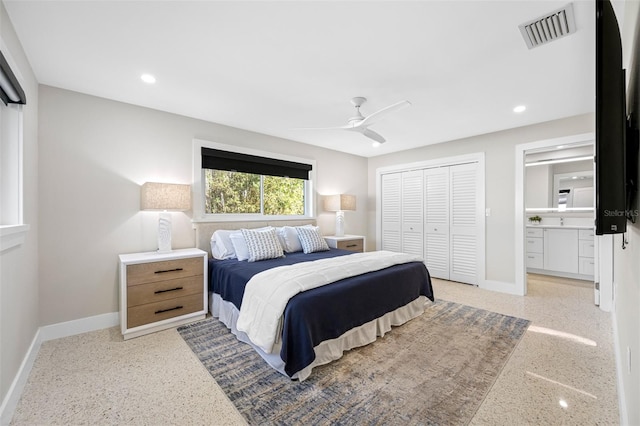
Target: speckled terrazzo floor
(566, 355)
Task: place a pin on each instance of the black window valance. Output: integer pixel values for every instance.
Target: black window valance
(234, 161)
(10, 90)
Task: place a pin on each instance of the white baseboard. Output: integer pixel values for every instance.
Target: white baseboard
(43, 334)
(17, 386)
(622, 400)
(500, 286)
(84, 325)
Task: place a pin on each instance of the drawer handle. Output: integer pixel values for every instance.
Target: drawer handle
(352, 245)
(531, 257)
(169, 270)
(169, 289)
(167, 310)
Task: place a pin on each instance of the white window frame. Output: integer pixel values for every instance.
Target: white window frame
(14, 232)
(197, 189)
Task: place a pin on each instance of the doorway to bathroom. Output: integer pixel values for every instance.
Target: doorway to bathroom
(555, 214)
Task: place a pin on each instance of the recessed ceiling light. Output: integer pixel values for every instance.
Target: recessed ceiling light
(376, 144)
(148, 78)
(519, 108)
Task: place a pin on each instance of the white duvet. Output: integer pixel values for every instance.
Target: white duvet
(267, 293)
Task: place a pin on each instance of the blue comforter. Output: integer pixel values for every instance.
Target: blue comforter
(329, 311)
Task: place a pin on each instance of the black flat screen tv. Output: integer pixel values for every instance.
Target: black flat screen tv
(610, 162)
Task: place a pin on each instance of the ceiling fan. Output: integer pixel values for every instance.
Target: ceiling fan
(359, 123)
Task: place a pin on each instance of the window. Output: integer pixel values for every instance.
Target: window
(232, 183)
(237, 192)
(12, 228)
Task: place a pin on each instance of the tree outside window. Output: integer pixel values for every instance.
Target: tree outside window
(230, 192)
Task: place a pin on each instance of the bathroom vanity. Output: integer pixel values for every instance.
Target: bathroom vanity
(566, 251)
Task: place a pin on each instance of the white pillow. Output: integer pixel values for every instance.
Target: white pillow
(280, 235)
(290, 240)
(311, 240)
(262, 245)
(289, 236)
(239, 245)
(221, 245)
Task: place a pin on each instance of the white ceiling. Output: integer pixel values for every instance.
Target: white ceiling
(271, 66)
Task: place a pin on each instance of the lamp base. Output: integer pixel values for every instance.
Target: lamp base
(339, 223)
(164, 233)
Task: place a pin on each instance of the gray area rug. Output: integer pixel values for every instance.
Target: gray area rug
(435, 369)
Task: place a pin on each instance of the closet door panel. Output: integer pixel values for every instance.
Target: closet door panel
(436, 219)
(391, 209)
(412, 212)
(463, 223)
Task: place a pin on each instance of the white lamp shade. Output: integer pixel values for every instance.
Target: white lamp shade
(340, 202)
(165, 196)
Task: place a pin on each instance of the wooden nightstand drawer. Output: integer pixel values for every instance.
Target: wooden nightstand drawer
(347, 242)
(165, 270)
(353, 245)
(163, 290)
(158, 311)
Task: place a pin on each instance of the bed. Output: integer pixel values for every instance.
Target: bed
(319, 324)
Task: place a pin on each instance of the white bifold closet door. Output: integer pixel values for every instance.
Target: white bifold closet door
(412, 212)
(437, 200)
(432, 213)
(463, 223)
(391, 194)
(451, 222)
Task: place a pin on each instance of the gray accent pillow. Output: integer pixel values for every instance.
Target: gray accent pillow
(311, 240)
(262, 245)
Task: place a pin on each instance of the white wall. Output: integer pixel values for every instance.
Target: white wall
(626, 310)
(19, 315)
(499, 177)
(95, 154)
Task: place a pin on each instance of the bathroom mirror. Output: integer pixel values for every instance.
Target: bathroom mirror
(557, 182)
(573, 190)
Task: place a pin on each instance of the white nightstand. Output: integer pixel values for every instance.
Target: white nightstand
(161, 290)
(348, 242)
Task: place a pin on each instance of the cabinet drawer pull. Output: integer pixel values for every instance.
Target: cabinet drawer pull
(169, 289)
(352, 245)
(167, 310)
(531, 257)
(168, 270)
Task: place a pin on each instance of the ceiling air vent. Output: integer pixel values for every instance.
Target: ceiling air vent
(548, 28)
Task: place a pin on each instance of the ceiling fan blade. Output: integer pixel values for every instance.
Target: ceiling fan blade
(373, 135)
(345, 127)
(370, 119)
